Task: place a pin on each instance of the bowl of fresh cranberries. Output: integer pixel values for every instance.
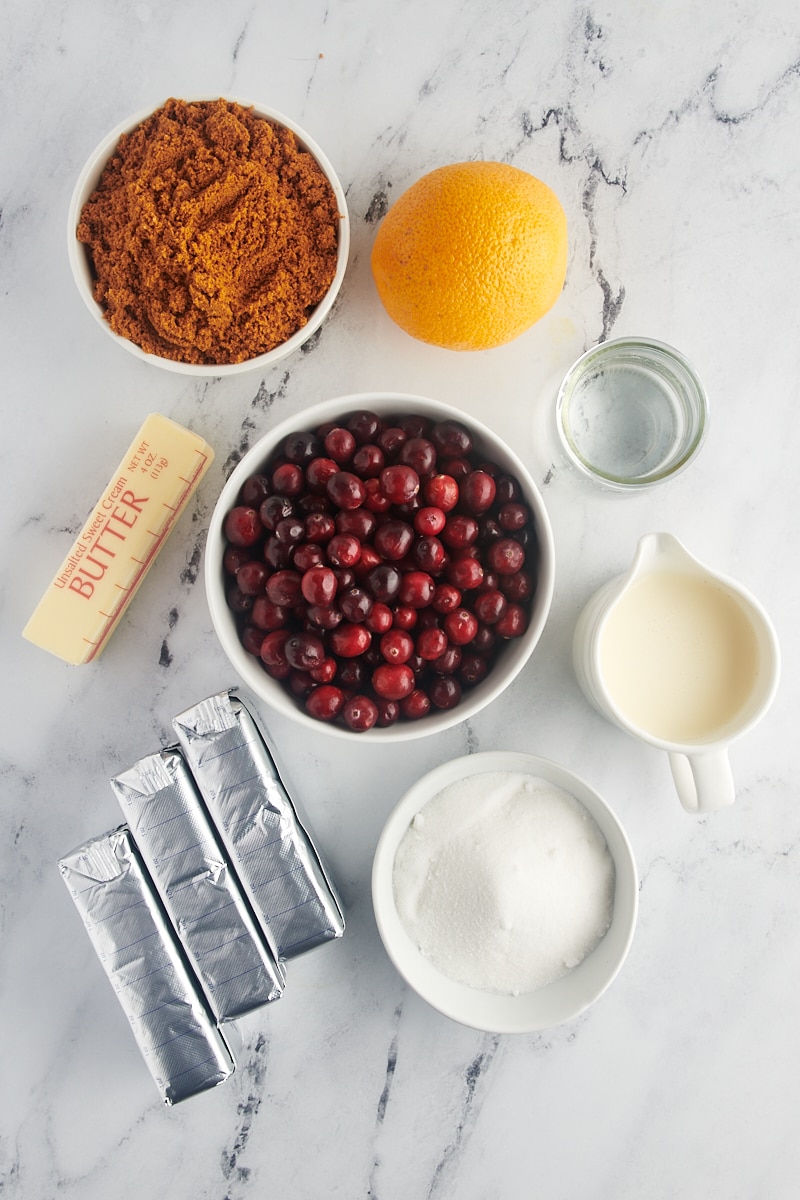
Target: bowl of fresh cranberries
(379, 564)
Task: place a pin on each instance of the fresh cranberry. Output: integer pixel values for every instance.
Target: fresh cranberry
(478, 491)
(460, 626)
(356, 604)
(519, 587)
(465, 573)
(364, 426)
(452, 439)
(343, 550)
(384, 582)
(460, 530)
(288, 479)
(397, 646)
(474, 667)
(393, 539)
(368, 559)
(415, 425)
(290, 530)
(300, 447)
(243, 526)
(448, 662)
(441, 491)
(484, 639)
(416, 589)
(273, 651)
(368, 461)
(360, 713)
(252, 637)
(391, 440)
(512, 516)
(415, 705)
(340, 445)
(346, 489)
(393, 681)
(238, 601)
(388, 712)
(319, 585)
(490, 605)
(234, 558)
(319, 471)
(304, 651)
(404, 616)
(352, 673)
(251, 577)
(266, 615)
(507, 489)
(446, 597)
(419, 453)
(431, 643)
(325, 702)
(380, 618)
(274, 509)
(506, 556)
(429, 554)
(320, 527)
(307, 555)
(358, 521)
(324, 616)
(255, 491)
(349, 640)
(277, 554)
(374, 499)
(399, 483)
(459, 468)
(325, 672)
(285, 587)
(513, 622)
(429, 521)
(445, 691)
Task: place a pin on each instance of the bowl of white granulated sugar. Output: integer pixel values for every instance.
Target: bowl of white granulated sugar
(505, 892)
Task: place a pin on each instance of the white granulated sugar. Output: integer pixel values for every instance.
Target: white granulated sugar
(504, 881)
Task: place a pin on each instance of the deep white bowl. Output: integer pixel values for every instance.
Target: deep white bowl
(514, 655)
(560, 1001)
(81, 271)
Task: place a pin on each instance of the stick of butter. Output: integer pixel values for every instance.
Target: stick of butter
(119, 541)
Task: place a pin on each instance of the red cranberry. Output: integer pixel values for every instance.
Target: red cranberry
(375, 500)
(397, 646)
(255, 491)
(252, 637)
(273, 652)
(388, 712)
(490, 605)
(284, 587)
(277, 554)
(306, 556)
(319, 471)
(415, 705)
(405, 617)
(343, 550)
(360, 713)
(429, 554)
(384, 582)
(507, 489)
(266, 615)
(478, 491)
(364, 426)
(393, 539)
(319, 585)
(324, 616)
(243, 526)
(445, 691)
(419, 453)
(519, 587)
(352, 674)
(251, 578)
(505, 556)
(431, 643)
(416, 589)
(474, 667)
(391, 440)
(356, 604)
(274, 509)
(340, 445)
(349, 640)
(304, 651)
(513, 622)
(465, 573)
(368, 461)
(429, 521)
(290, 530)
(512, 516)
(288, 479)
(238, 601)
(320, 527)
(460, 626)
(460, 530)
(441, 491)
(380, 618)
(452, 439)
(393, 681)
(325, 702)
(346, 489)
(399, 483)
(325, 672)
(301, 447)
(234, 558)
(449, 661)
(446, 597)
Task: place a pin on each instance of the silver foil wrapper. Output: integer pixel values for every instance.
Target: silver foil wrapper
(183, 1048)
(270, 849)
(236, 969)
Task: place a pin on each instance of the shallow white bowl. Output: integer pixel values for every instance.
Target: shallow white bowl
(514, 655)
(560, 1001)
(79, 263)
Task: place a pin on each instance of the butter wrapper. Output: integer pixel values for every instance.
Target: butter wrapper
(168, 820)
(271, 850)
(183, 1048)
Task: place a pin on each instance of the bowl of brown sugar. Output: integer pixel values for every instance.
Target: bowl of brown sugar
(209, 237)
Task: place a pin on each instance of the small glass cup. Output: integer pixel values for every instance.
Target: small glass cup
(631, 412)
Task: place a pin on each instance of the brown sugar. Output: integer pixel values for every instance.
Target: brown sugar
(212, 234)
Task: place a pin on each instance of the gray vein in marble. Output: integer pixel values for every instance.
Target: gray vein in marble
(475, 1073)
(383, 1100)
(253, 1074)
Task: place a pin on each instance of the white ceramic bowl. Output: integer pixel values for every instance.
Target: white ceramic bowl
(514, 655)
(79, 263)
(554, 1004)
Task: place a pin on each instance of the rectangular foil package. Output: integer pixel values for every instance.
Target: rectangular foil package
(183, 1048)
(169, 822)
(271, 850)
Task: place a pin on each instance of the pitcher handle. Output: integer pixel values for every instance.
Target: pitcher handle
(704, 781)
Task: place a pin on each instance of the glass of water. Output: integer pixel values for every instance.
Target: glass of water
(631, 412)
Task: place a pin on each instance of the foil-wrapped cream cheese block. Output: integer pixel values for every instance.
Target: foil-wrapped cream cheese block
(183, 1048)
(236, 968)
(270, 848)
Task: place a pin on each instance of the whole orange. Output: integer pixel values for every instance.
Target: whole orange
(471, 255)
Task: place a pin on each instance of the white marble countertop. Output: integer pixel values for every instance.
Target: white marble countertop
(669, 133)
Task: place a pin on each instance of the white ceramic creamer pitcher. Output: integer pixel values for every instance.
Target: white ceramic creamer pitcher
(684, 659)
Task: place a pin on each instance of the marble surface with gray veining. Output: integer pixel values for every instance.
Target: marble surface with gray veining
(669, 132)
